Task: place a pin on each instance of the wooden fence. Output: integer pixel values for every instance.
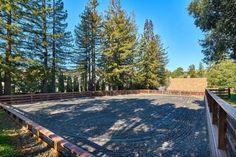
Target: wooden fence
(223, 117)
(31, 98)
(62, 146)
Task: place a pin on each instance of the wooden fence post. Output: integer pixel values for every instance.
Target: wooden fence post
(222, 128)
(210, 102)
(214, 112)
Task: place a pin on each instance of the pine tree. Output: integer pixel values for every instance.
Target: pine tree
(152, 59)
(1, 76)
(1, 72)
(7, 24)
(43, 42)
(163, 60)
(11, 36)
(38, 29)
(118, 45)
(95, 22)
(29, 80)
(69, 85)
(60, 40)
(45, 46)
(61, 84)
(87, 41)
(76, 84)
(49, 43)
(82, 48)
(82, 68)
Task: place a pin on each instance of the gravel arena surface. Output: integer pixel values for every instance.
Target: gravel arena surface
(130, 125)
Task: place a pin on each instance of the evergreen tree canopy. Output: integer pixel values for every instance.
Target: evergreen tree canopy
(88, 34)
(38, 15)
(61, 40)
(118, 45)
(61, 82)
(48, 43)
(69, 84)
(151, 59)
(11, 37)
(76, 84)
(36, 48)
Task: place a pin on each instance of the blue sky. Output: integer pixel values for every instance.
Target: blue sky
(171, 20)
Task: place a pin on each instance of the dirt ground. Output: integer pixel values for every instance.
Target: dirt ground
(16, 141)
(131, 125)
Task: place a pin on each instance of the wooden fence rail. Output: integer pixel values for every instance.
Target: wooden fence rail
(31, 98)
(223, 116)
(62, 146)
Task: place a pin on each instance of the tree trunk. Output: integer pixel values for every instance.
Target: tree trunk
(89, 73)
(121, 84)
(54, 53)
(93, 67)
(1, 87)
(86, 83)
(229, 93)
(45, 51)
(7, 78)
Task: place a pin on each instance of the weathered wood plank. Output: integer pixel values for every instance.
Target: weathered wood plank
(17, 99)
(224, 117)
(222, 128)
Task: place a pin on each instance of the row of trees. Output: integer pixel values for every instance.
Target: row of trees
(33, 44)
(192, 72)
(35, 49)
(112, 54)
(216, 18)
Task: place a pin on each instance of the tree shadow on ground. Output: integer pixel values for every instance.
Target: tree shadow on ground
(171, 126)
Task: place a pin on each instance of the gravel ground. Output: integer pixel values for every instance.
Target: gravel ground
(131, 125)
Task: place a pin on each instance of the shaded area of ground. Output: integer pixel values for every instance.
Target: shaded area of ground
(133, 125)
(18, 142)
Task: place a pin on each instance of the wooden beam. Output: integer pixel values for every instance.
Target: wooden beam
(222, 129)
(214, 112)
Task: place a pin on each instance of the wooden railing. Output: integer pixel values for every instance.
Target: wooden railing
(31, 98)
(223, 117)
(62, 146)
